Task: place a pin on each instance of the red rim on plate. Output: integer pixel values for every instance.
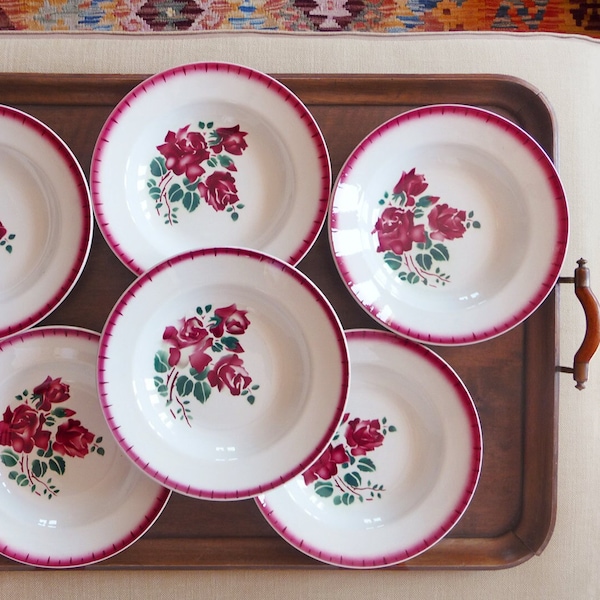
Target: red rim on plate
(51, 293)
(449, 224)
(310, 191)
(366, 503)
(223, 372)
(76, 499)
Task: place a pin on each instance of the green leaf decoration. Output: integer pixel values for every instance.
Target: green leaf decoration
(424, 201)
(175, 193)
(394, 261)
(225, 160)
(366, 465)
(161, 388)
(337, 500)
(158, 166)
(230, 342)
(347, 499)
(202, 391)
(440, 252)
(12, 236)
(161, 361)
(199, 376)
(9, 248)
(57, 464)
(59, 412)
(424, 261)
(209, 125)
(412, 278)
(13, 474)
(39, 468)
(191, 201)
(155, 193)
(353, 479)
(235, 216)
(22, 480)
(184, 385)
(476, 225)
(392, 428)
(192, 186)
(100, 451)
(251, 399)
(324, 489)
(9, 458)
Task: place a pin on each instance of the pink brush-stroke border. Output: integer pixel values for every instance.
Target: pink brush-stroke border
(128, 103)
(454, 515)
(104, 357)
(118, 545)
(558, 198)
(86, 216)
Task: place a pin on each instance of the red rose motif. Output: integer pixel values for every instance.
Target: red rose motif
(185, 152)
(397, 231)
(231, 139)
(229, 371)
(327, 464)
(22, 429)
(191, 333)
(51, 391)
(72, 439)
(2, 231)
(411, 185)
(363, 436)
(446, 223)
(219, 190)
(231, 320)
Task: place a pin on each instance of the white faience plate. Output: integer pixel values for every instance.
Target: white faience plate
(401, 470)
(449, 224)
(223, 372)
(69, 496)
(210, 154)
(45, 221)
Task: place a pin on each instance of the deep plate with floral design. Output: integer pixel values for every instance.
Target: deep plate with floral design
(210, 154)
(45, 221)
(449, 224)
(70, 497)
(401, 469)
(223, 372)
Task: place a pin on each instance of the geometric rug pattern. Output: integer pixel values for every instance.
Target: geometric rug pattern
(377, 16)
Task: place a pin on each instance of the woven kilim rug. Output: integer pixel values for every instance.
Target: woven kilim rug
(377, 16)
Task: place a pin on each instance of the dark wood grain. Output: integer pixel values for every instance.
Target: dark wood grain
(513, 378)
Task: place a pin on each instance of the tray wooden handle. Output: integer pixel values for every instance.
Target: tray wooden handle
(591, 309)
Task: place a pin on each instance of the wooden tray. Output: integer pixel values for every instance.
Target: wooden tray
(513, 379)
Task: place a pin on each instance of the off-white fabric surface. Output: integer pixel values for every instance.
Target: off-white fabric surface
(567, 71)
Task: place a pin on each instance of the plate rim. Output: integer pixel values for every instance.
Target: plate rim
(74, 168)
(130, 536)
(306, 240)
(559, 204)
(454, 515)
(116, 427)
